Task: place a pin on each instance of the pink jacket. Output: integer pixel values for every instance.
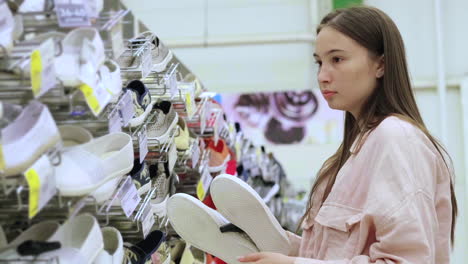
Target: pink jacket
(390, 204)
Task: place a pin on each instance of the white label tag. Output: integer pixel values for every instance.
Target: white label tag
(147, 62)
(195, 156)
(147, 221)
(41, 182)
(206, 179)
(72, 14)
(171, 83)
(115, 122)
(42, 68)
(216, 127)
(128, 196)
(172, 157)
(118, 47)
(143, 143)
(127, 111)
(203, 115)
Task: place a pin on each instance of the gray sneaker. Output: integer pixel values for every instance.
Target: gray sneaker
(161, 180)
(166, 120)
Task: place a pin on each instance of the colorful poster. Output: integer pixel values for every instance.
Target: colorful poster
(292, 117)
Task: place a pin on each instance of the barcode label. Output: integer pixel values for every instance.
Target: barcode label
(128, 196)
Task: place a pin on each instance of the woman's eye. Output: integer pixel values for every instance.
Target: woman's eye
(336, 59)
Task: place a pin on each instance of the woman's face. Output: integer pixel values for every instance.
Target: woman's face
(347, 72)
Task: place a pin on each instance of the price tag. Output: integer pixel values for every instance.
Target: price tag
(216, 128)
(72, 14)
(128, 196)
(91, 99)
(42, 68)
(115, 122)
(147, 62)
(143, 143)
(172, 157)
(204, 184)
(189, 103)
(187, 256)
(195, 156)
(147, 221)
(171, 83)
(118, 47)
(238, 150)
(41, 182)
(127, 111)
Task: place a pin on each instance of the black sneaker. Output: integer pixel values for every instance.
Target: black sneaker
(141, 252)
(141, 176)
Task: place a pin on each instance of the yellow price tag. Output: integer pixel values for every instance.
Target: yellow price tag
(91, 98)
(200, 191)
(2, 159)
(36, 72)
(238, 150)
(187, 256)
(34, 183)
(188, 103)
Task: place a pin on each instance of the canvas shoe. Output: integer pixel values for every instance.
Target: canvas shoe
(141, 176)
(141, 252)
(182, 140)
(109, 73)
(161, 180)
(219, 155)
(33, 132)
(113, 252)
(106, 157)
(82, 55)
(161, 55)
(200, 226)
(166, 120)
(74, 135)
(80, 237)
(141, 102)
(244, 208)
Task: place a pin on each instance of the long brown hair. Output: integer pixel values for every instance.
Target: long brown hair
(374, 30)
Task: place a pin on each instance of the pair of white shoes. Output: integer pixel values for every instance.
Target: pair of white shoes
(237, 203)
(81, 239)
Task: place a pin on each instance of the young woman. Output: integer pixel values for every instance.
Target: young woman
(386, 195)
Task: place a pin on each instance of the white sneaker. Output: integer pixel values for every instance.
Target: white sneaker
(80, 238)
(106, 157)
(74, 135)
(83, 54)
(166, 120)
(110, 76)
(113, 252)
(200, 225)
(244, 208)
(32, 133)
(7, 25)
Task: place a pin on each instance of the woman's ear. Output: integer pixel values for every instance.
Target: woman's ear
(380, 67)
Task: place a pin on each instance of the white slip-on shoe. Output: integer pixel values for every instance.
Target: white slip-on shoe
(113, 251)
(105, 157)
(78, 236)
(28, 137)
(244, 208)
(82, 54)
(74, 135)
(200, 226)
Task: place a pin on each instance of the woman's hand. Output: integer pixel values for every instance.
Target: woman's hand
(267, 258)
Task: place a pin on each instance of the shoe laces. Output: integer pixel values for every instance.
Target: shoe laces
(130, 256)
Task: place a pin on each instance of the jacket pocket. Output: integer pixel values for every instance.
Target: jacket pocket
(338, 229)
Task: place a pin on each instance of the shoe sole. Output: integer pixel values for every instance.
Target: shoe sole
(243, 207)
(164, 137)
(160, 67)
(199, 225)
(141, 119)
